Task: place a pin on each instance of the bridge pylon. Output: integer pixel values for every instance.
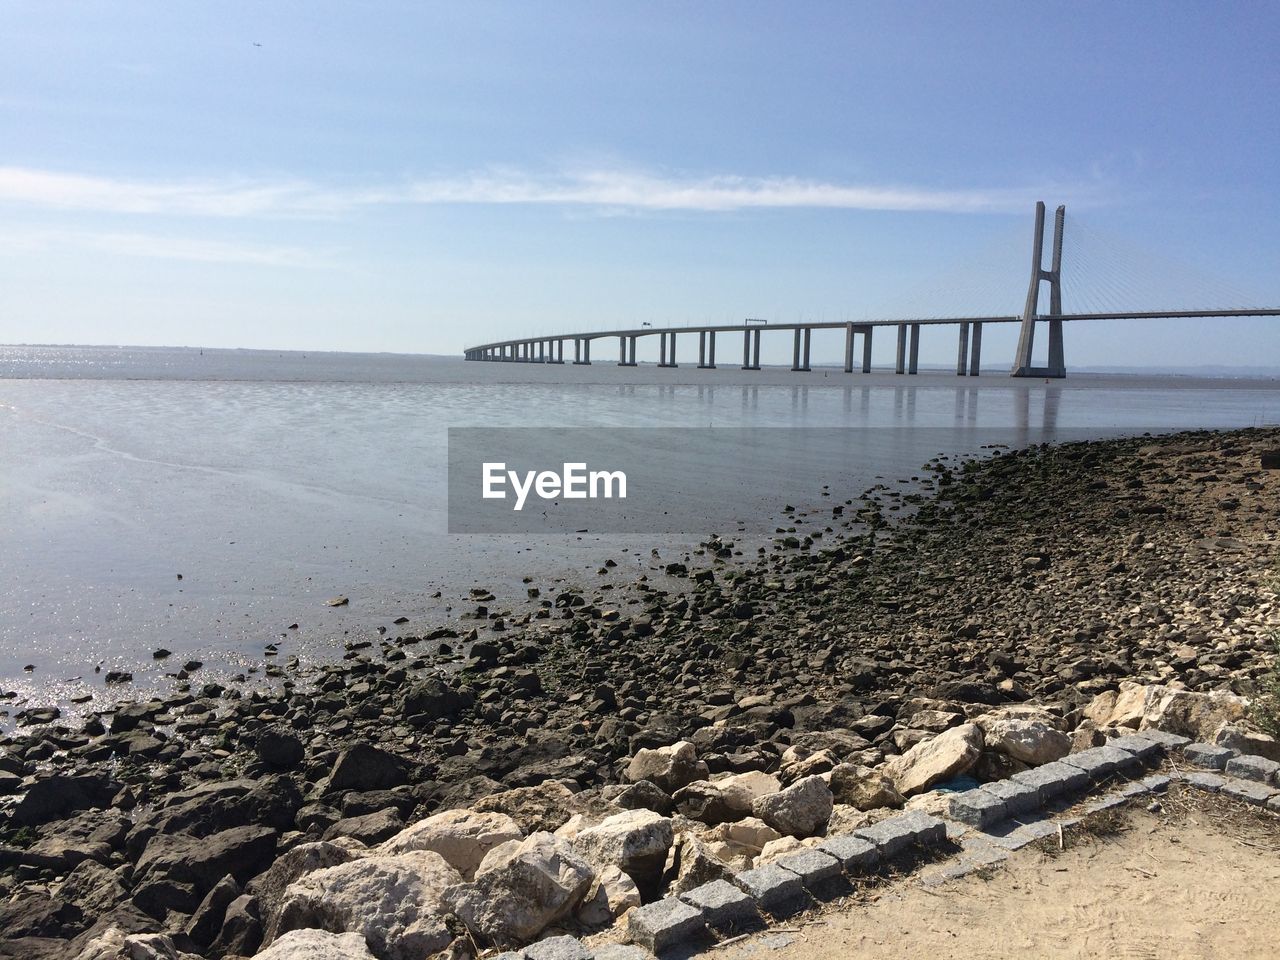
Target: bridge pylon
(1031, 312)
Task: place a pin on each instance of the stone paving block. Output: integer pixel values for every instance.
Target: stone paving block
(977, 808)
(1098, 762)
(557, 948)
(722, 904)
(957, 830)
(928, 829)
(664, 923)
(1274, 803)
(1109, 802)
(891, 836)
(1146, 750)
(1156, 782)
(1018, 797)
(1204, 781)
(1207, 755)
(775, 889)
(1252, 768)
(813, 867)
(1171, 742)
(1053, 779)
(1250, 791)
(511, 955)
(854, 853)
(982, 852)
(1015, 836)
(622, 951)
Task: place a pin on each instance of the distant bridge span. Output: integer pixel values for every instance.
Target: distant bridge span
(550, 349)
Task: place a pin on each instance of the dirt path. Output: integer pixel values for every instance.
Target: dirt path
(1158, 889)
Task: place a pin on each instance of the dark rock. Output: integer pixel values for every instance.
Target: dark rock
(365, 767)
(279, 749)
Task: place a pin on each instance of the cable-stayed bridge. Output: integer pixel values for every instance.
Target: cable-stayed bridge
(1112, 274)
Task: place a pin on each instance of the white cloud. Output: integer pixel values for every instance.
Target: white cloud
(164, 247)
(602, 189)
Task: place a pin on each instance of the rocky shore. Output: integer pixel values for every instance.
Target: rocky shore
(540, 770)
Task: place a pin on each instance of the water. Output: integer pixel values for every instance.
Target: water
(272, 482)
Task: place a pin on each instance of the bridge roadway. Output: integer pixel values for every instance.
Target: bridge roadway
(968, 354)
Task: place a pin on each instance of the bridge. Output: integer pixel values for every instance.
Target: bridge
(544, 349)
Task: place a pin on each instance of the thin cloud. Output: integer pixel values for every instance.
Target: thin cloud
(162, 247)
(606, 190)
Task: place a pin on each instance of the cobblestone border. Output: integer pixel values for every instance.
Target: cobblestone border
(988, 823)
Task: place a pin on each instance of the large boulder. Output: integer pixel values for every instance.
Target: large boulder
(317, 945)
(934, 760)
(669, 767)
(175, 871)
(636, 842)
(1241, 739)
(863, 787)
(59, 796)
(612, 894)
(434, 699)
(800, 810)
(269, 886)
(514, 898)
(692, 864)
(729, 798)
(1185, 712)
(365, 767)
(1025, 734)
(462, 837)
(543, 807)
(394, 902)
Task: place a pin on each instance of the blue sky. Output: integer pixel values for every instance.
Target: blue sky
(418, 177)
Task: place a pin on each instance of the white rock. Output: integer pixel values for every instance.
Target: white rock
(778, 848)
(519, 894)
(940, 758)
(611, 895)
(462, 837)
(1186, 712)
(863, 787)
(394, 902)
(635, 841)
(317, 945)
(1032, 737)
(800, 810)
(728, 798)
(669, 767)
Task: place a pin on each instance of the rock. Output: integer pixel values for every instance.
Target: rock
(693, 863)
(369, 829)
(269, 886)
(515, 898)
(93, 889)
(727, 799)
(641, 795)
(669, 767)
(394, 902)
(153, 946)
(1238, 737)
(175, 871)
(59, 796)
(1024, 734)
(800, 810)
(806, 766)
(540, 808)
(863, 788)
(611, 894)
(241, 932)
(462, 837)
(636, 842)
(1185, 712)
(940, 758)
(434, 699)
(365, 767)
(279, 749)
(776, 849)
(317, 945)
(205, 923)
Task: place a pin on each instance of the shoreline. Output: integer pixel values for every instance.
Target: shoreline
(1047, 576)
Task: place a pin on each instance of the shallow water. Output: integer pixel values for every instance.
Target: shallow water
(274, 481)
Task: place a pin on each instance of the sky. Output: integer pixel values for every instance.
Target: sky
(420, 177)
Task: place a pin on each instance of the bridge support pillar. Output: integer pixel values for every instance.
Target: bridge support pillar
(901, 365)
(751, 350)
(795, 351)
(1022, 362)
(866, 349)
(671, 351)
(962, 354)
(622, 351)
(913, 365)
(804, 359)
(848, 348)
(706, 361)
(975, 349)
(711, 350)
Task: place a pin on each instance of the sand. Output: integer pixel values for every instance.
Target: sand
(1187, 887)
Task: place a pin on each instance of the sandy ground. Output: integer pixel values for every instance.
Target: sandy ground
(1186, 886)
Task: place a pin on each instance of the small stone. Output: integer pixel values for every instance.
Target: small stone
(1207, 755)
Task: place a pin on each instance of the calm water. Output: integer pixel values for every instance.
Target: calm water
(274, 481)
